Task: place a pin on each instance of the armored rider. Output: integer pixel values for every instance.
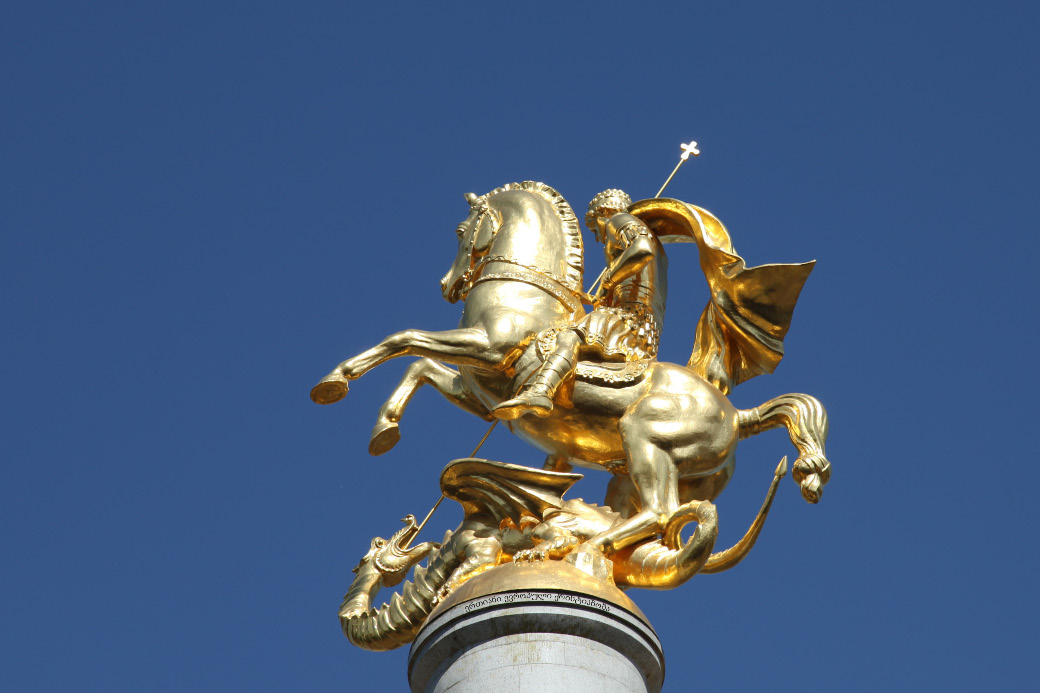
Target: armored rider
(625, 322)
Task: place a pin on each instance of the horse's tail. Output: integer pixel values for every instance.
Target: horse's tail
(806, 422)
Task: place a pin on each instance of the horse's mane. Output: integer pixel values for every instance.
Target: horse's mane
(571, 230)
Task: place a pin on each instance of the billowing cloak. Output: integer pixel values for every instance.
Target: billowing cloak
(741, 332)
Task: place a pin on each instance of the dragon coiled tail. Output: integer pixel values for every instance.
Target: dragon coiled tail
(397, 623)
(724, 560)
(806, 422)
(669, 563)
(665, 563)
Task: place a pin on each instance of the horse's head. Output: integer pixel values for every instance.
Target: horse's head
(527, 225)
(475, 234)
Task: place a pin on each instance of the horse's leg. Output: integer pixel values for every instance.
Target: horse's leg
(622, 496)
(653, 473)
(425, 371)
(679, 418)
(461, 347)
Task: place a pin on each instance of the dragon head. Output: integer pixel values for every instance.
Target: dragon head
(369, 558)
(392, 558)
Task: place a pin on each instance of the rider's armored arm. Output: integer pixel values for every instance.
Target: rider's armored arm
(637, 246)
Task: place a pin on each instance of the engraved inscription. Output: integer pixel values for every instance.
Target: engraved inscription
(533, 596)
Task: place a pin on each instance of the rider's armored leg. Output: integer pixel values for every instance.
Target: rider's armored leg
(537, 396)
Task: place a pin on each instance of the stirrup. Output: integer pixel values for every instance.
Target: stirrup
(539, 405)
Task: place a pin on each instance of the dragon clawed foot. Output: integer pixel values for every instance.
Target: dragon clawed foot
(530, 556)
(557, 546)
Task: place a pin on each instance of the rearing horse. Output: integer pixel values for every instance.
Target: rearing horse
(668, 434)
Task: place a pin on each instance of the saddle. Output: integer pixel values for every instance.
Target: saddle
(610, 373)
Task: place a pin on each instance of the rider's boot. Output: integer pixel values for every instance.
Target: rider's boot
(537, 396)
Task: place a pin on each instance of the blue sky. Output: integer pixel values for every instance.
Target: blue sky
(208, 205)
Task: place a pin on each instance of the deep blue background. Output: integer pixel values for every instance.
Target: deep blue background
(205, 206)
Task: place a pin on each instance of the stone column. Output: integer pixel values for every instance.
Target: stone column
(544, 626)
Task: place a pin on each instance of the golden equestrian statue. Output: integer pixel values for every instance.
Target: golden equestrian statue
(586, 388)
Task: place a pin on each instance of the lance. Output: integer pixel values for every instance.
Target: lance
(437, 504)
(687, 149)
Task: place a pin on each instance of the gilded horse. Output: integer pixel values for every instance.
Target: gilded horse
(666, 431)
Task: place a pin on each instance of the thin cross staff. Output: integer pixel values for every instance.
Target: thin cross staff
(687, 149)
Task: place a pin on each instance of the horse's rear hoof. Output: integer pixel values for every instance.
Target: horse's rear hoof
(330, 390)
(385, 435)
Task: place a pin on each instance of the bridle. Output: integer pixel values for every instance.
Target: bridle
(529, 274)
(471, 274)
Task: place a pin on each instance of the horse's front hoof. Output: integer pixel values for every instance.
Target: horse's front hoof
(385, 435)
(332, 388)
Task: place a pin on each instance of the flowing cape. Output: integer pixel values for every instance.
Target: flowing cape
(741, 332)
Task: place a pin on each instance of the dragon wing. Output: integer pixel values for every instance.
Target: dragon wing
(504, 490)
(741, 332)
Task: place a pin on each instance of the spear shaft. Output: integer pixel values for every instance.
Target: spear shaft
(687, 149)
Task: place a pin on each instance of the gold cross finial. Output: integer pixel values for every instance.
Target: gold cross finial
(687, 149)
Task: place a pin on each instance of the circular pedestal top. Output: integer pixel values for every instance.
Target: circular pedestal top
(541, 626)
(538, 575)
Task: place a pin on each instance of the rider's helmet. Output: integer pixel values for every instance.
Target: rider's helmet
(603, 206)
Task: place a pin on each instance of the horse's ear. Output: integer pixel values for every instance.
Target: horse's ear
(471, 198)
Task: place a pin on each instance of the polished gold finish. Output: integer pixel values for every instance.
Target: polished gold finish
(741, 331)
(724, 560)
(628, 309)
(585, 388)
(548, 575)
(516, 514)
